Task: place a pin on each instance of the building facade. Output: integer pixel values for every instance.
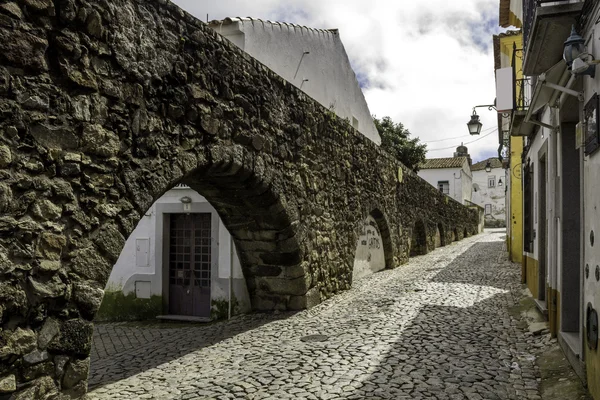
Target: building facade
(489, 191)
(560, 169)
(451, 176)
(508, 54)
(304, 57)
(181, 261)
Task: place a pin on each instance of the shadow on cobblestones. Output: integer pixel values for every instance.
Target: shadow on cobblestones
(438, 327)
(479, 265)
(468, 352)
(121, 350)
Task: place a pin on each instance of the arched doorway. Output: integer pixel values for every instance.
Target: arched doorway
(440, 235)
(373, 248)
(419, 239)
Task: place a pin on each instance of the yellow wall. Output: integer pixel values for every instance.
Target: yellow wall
(515, 241)
(516, 201)
(531, 273)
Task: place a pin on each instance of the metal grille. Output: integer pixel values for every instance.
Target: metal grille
(190, 250)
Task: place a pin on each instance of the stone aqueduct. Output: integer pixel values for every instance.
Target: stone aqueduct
(106, 105)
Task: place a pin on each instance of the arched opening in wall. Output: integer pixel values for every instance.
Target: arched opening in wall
(181, 268)
(465, 233)
(180, 262)
(373, 248)
(455, 235)
(440, 238)
(418, 244)
(221, 208)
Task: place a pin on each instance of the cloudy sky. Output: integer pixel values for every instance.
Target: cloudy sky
(424, 63)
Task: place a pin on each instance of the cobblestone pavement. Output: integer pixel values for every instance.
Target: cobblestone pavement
(438, 327)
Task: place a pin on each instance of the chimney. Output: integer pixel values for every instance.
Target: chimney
(462, 151)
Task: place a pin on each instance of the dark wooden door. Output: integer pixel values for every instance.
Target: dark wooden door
(190, 262)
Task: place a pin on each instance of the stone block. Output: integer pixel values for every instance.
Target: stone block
(36, 357)
(8, 384)
(74, 338)
(17, 342)
(111, 241)
(282, 286)
(77, 370)
(49, 330)
(88, 298)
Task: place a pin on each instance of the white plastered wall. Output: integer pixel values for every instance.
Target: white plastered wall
(129, 271)
(590, 184)
(494, 195)
(459, 181)
(313, 60)
(369, 256)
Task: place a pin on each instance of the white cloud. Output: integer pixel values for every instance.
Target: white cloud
(427, 62)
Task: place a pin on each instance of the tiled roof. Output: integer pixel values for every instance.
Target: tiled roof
(448, 162)
(258, 21)
(494, 161)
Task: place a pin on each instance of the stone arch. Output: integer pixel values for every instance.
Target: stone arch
(418, 244)
(262, 224)
(374, 250)
(455, 235)
(441, 233)
(465, 232)
(94, 130)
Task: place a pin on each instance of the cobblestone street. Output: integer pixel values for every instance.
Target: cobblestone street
(439, 327)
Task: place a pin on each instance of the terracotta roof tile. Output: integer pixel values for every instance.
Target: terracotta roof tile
(494, 161)
(447, 162)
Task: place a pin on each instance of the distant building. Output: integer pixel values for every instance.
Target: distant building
(314, 60)
(489, 190)
(451, 175)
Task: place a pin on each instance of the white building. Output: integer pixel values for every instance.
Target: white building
(489, 190)
(451, 175)
(313, 60)
(159, 272)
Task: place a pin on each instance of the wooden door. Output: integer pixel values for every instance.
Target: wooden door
(190, 262)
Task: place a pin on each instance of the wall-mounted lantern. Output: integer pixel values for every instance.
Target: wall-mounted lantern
(488, 166)
(187, 203)
(499, 181)
(578, 61)
(474, 124)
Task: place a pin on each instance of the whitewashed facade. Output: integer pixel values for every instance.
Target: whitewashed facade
(313, 60)
(489, 191)
(452, 176)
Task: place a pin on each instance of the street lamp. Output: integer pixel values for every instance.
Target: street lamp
(488, 166)
(578, 61)
(474, 124)
(573, 47)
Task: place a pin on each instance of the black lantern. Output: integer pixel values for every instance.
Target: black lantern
(574, 46)
(500, 182)
(488, 167)
(474, 124)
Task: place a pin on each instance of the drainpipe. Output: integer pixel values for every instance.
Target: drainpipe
(230, 276)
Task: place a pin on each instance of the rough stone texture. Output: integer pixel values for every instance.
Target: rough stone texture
(105, 105)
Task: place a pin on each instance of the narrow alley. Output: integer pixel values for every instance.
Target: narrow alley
(439, 327)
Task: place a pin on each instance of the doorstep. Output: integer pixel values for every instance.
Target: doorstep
(184, 318)
(541, 306)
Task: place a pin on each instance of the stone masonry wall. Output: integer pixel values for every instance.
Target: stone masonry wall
(104, 106)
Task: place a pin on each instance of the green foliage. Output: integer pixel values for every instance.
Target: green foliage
(396, 140)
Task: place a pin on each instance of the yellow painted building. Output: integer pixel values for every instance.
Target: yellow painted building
(508, 53)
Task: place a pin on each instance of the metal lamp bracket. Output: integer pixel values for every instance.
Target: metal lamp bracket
(562, 89)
